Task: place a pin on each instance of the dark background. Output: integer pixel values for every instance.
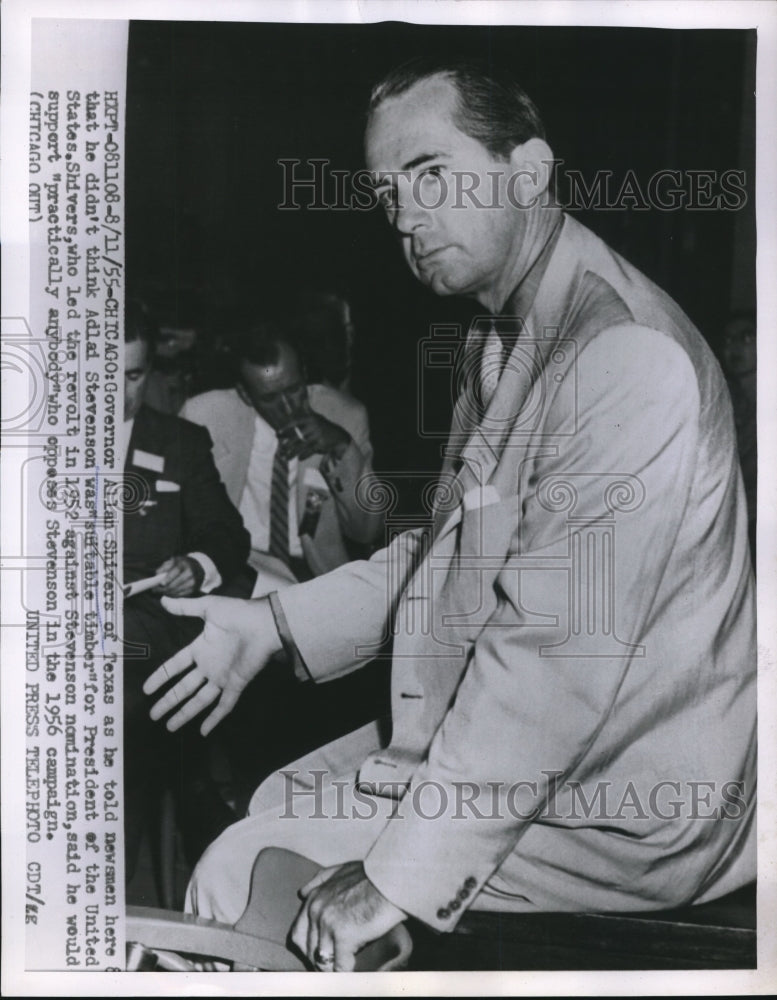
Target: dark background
(212, 107)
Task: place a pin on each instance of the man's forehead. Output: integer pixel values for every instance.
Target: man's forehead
(136, 354)
(285, 372)
(410, 125)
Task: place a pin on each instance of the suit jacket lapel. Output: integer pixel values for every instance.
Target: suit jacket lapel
(235, 450)
(483, 449)
(144, 434)
(520, 386)
(139, 429)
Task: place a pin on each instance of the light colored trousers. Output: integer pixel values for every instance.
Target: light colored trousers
(310, 813)
(312, 809)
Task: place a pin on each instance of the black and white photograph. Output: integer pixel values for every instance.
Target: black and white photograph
(386, 542)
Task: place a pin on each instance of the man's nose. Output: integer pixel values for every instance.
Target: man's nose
(411, 214)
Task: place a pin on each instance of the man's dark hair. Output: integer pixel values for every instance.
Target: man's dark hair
(140, 325)
(492, 108)
(259, 343)
(318, 328)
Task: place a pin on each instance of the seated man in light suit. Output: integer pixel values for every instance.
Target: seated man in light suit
(322, 435)
(574, 658)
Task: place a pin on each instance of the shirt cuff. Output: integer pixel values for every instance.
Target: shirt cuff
(301, 672)
(212, 578)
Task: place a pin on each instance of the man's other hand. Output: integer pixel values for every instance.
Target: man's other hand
(238, 639)
(183, 577)
(342, 912)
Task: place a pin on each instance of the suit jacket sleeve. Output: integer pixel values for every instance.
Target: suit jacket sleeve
(362, 593)
(518, 715)
(210, 522)
(353, 483)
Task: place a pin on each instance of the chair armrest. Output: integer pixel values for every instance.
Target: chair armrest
(167, 930)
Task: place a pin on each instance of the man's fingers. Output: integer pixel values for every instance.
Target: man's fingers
(192, 607)
(194, 706)
(181, 586)
(328, 947)
(177, 573)
(223, 707)
(294, 449)
(299, 931)
(177, 694)
(182, 660)
(344, 952)
(311, 943)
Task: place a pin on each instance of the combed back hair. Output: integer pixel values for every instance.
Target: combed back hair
(259, 343)
(139, 324)
(318, 327)
(491, 107)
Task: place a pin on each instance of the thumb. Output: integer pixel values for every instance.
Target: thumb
(318, 879)
(189, 607)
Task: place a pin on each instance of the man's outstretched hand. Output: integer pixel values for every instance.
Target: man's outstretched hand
(342, 912)
(239, 638)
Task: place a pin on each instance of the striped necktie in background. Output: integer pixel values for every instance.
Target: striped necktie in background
(279, 507)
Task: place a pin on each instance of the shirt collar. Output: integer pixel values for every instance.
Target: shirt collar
(522, 297)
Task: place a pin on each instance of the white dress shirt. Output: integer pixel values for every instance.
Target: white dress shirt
(255, 501)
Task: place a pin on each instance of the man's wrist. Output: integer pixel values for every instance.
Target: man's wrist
(286, 642)
(198, 572)
(400, 913)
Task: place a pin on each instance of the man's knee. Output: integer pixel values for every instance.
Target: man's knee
(220, 883)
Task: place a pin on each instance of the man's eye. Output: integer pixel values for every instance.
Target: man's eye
(388, 199)
(432, 173)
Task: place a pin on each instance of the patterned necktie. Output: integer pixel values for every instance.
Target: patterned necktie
(490, 366)
(279, 507)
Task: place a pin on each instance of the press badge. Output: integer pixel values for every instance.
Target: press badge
(317, 493)
(145, 460)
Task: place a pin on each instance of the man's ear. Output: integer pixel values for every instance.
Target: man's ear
(531, 172)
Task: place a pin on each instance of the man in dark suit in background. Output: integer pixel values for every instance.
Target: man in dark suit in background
(180, 529)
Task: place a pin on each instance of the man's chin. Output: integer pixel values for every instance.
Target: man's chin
(440, 282)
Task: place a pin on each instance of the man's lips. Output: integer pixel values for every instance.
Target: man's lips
(428, 255)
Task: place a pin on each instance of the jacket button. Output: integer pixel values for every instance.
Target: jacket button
(463, 893)
(470, 883)
(455, 904)
(443, 913)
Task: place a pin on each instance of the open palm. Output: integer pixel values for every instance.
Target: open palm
(238, 639)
